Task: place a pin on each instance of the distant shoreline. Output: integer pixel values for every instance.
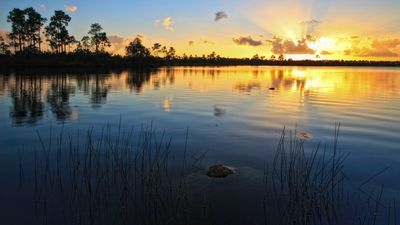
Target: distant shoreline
(9, 62)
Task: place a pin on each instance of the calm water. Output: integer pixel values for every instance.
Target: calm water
(235, 114)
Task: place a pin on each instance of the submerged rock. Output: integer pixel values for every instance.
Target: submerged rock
(219, 171)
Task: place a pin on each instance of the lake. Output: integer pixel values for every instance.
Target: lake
(228, 115)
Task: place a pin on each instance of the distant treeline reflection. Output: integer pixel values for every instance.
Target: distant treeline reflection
(31, 93)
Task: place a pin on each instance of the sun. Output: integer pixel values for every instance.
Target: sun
(323, 44)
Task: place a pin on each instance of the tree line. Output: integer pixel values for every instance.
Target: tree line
(29, 30)
(27, 27)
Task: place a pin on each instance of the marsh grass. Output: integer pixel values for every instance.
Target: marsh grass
(304, 187)
(117, 176)
(134, 176)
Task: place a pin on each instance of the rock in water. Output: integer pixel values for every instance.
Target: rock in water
(219, 171)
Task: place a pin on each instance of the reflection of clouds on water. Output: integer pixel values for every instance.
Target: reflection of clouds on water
(304, 135)
(167, 104)
(219, 111)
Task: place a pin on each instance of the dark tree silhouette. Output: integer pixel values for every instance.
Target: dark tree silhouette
(156, 49)
(57, 32)
(255, 57)
(171, 53)
(98, 38)
(137, 49)
(33, 24)
(17, 19)
(281, 57)
(83, 45)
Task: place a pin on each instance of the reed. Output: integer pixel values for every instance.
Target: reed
(134, 176)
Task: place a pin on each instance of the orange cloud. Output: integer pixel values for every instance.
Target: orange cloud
(286, 46)
(247, 41)
(325, 52)
(70, 8)
(370, 47)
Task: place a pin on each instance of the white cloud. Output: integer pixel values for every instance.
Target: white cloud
(70, 8)
(167, 23)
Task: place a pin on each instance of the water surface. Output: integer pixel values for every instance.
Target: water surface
(235, 114)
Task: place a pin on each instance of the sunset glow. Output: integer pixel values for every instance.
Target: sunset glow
(303, 29)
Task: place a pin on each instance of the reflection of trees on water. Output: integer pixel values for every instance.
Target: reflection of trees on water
(163, 77)
(136, 79)
(83, 83)
(99, 91)
(27, 104)
(32, 94)
(58, 97)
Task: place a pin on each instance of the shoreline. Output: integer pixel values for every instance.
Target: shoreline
(106, 61)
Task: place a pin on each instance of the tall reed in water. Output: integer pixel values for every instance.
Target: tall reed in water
(119, 176)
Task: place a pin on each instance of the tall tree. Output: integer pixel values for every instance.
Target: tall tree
(171, 53)
(98, 38)
(137, 49)
(57, 33)
(33, 24)
(156, 49)
(17, 19)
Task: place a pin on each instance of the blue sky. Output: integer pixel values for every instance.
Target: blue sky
(260, 20)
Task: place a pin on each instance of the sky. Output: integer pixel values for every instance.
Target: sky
(298, 29)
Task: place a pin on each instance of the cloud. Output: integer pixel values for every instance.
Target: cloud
(118, 43)
(220, 15)
(167, 23)
(200, 41)
(205, 41)
(4, 34)
(286, 46)
(247, 41)
(380, 53)
(42, 6)
(310, 22)
(70, 8)
(372, 47)
(310, 38)
(115, 39)
(324, 52)
(386, 43)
